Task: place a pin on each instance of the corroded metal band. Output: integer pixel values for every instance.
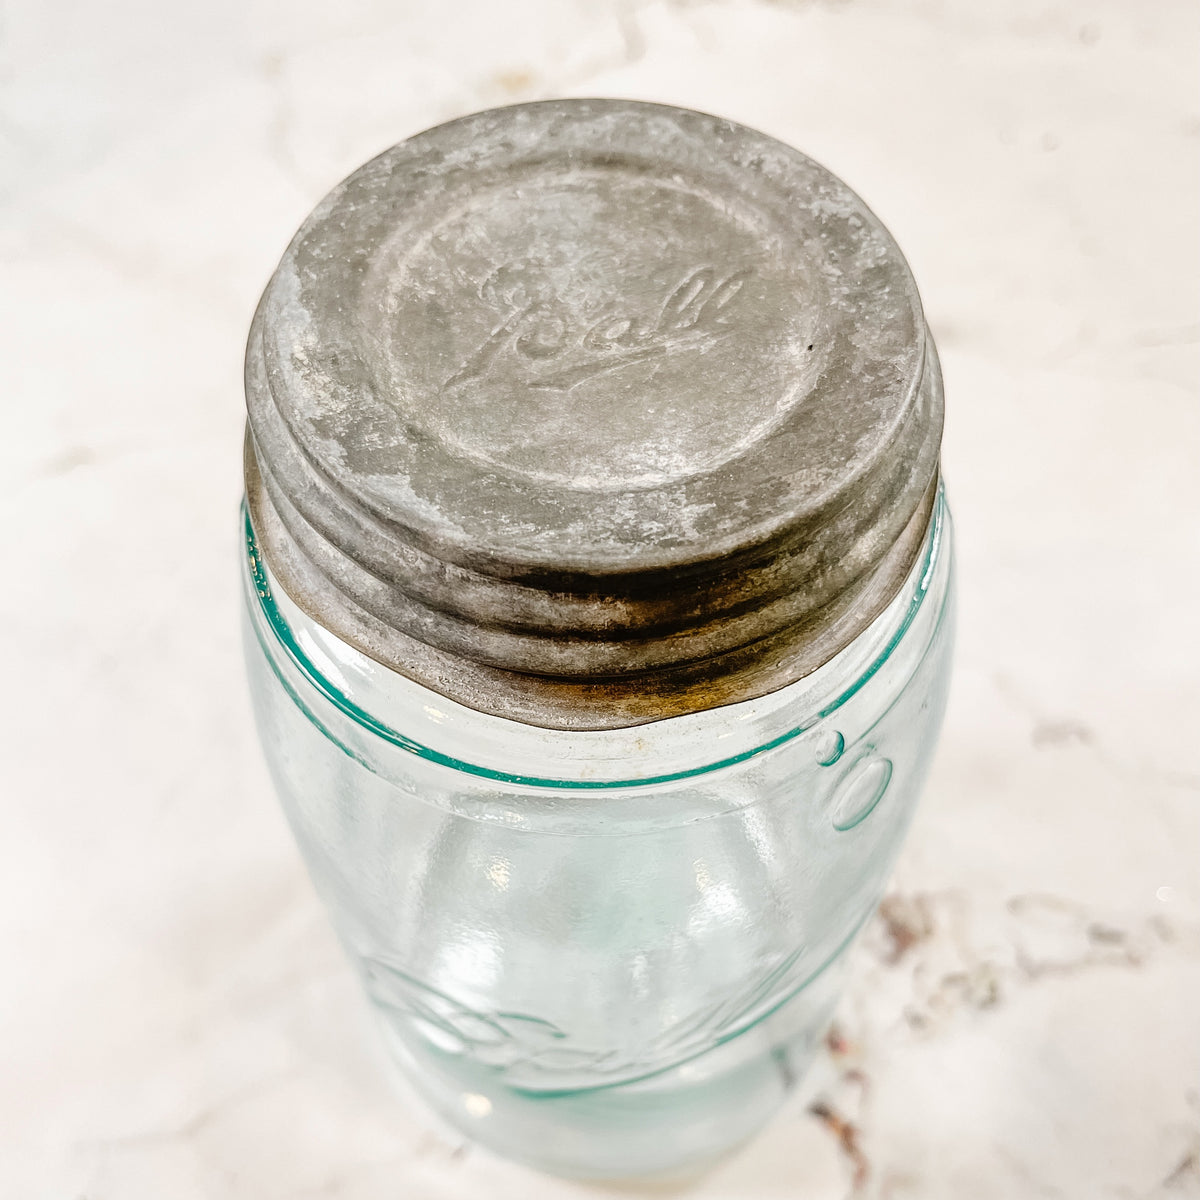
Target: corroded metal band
(590, 570)
(587, 703)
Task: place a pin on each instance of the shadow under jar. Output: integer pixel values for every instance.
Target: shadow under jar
(599, 598)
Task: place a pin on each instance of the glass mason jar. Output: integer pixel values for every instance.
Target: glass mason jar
(598, 716)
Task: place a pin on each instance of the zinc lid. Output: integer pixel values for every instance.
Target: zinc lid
(589, 412)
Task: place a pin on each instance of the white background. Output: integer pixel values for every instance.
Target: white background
(175, 1020)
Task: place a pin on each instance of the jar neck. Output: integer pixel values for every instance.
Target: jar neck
(373, 712)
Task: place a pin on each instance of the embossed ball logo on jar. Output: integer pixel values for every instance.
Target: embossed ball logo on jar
(562, 341)
(540, 336)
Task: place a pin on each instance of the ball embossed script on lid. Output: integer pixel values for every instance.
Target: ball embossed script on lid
(588, 413)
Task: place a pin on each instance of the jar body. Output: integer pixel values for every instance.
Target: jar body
(607, 953)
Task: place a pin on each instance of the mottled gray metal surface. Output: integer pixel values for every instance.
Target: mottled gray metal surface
(591, 412)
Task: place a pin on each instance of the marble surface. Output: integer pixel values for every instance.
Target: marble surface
(175, 1020)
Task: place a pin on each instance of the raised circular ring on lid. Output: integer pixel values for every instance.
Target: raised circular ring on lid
(625, 400)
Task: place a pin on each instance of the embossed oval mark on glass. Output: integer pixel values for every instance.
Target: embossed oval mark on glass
(599, 610)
